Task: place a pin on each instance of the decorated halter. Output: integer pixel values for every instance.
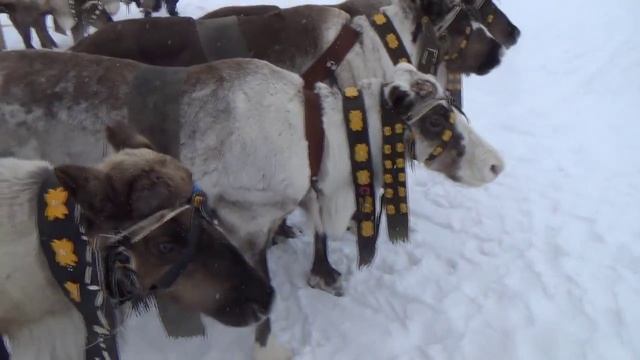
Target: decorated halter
(447, 133)
(77, 265)
(442, 34)
(435, 37)
(484, 11)
(119, 260)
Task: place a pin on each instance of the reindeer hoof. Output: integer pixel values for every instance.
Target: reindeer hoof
(272, 351)
(331, 283)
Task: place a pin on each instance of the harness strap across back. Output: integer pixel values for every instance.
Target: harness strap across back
(325, 66)
(321, 70)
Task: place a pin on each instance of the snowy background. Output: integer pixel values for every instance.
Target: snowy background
(542, 264)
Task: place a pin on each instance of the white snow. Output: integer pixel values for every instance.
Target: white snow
(542, 264)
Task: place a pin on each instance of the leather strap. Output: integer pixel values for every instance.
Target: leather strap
(355, 118)
(74, 263)
(395, 177)
(390, 38)
(454, 86)
(321, 70)
(428, 49)
(325, 66)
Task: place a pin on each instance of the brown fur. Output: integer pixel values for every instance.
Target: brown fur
(240, 11)
(288, 38)
(134, 184)
(166, 41)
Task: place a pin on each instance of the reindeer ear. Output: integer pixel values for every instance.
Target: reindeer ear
(123, 136)
(89, 187)
(424, 88)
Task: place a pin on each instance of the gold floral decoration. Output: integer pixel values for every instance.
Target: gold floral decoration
(452, 117)
(388, 164)
(399, 128)
(490, 18)
(351, 92)
(74, 290)
(391, 210)
(402, 177)
(379, 18)
(355, 120)
(387, 149)
(387, 130)
(392, 41)
(402, 191)
(403, 208)
(400, 163)
(388, 179)
(363, 177)
(400, 147)
(437, 151)
(64, 251)
(388, 193)
(361, 152)
(56, 200)
(366, 228)
(367, 205)
(447, 135)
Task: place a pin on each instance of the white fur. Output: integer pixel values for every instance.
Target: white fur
(38, 320)
(272, 351)
(111, 6)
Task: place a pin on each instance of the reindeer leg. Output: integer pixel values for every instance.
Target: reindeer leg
(40, 25)
(23, 28)
(266, 346)
(78, 30)
(323, 276)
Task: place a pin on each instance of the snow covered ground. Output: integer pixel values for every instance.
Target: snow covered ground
(542, 264)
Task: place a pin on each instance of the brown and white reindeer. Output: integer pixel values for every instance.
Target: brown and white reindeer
(166, 249)
(228, 123)
(295, 38)
(484, 12)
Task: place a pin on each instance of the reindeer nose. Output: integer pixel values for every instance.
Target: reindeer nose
(496, 169)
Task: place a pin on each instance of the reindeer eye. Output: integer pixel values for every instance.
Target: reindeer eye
(166, 248)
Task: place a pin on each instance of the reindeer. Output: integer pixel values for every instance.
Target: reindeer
(227, 122)
(136, 186)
